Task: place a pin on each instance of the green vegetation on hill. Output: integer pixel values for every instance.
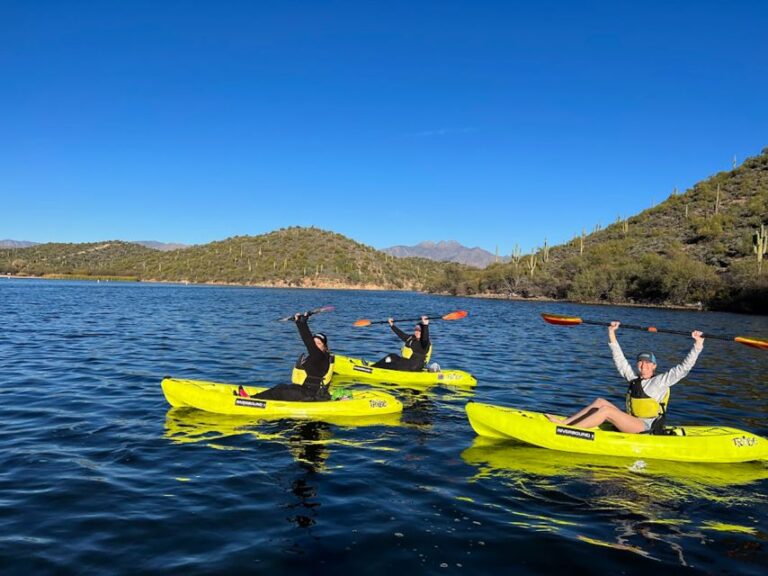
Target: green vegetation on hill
(287, 257)
(701, 248)
(697, 248)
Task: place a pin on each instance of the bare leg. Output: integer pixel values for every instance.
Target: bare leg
(621, 420)
(601, 410)
(580, 414)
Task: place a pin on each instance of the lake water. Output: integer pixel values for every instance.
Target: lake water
(98, 475)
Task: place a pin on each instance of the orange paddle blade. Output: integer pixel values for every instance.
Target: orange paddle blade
(458, 315)
(753, 342)
(364, 322)
(561, 320)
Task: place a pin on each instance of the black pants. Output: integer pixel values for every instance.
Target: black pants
(295, 393)
(399, 363)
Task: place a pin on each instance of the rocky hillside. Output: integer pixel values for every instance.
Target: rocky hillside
(698, 248)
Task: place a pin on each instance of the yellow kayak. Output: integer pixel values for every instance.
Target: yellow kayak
(687, 444)
(222, 399)
(360, 370)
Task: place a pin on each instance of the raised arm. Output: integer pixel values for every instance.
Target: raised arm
(677, 373)
(306, 335)
(400, 334)
(619, 359)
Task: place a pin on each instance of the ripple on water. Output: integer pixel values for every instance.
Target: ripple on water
(98, 475)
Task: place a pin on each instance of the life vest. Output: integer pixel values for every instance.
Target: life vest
(407, 352)
(640, 405)
(299, 374)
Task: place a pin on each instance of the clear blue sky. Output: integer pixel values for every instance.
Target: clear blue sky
(391, 122)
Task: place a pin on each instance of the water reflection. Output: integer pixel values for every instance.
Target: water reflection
(308, 443)
(188, 425)
(645, 501)
(676, 478)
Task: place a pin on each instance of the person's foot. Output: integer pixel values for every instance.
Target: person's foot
(241, 392)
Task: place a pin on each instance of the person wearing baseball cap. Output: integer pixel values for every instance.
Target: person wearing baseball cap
(647, 396)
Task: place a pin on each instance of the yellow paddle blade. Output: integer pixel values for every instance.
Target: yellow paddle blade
(753, 342)
(359, 323)
(561, 320)
(458, 315)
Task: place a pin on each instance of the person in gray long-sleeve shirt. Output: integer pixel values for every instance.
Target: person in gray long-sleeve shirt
(647, 394)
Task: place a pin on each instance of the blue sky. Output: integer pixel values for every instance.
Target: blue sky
(489, 123)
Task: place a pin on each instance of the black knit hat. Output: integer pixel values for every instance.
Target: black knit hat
(321, 337)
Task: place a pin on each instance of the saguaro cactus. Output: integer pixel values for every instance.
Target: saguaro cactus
(545, 252)
(760, 247)
(717, 200)
(532, 261)
(517, 255)
(623, 224)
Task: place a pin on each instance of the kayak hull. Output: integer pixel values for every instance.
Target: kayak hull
(688, 444)
(221, 398)
(359, 370)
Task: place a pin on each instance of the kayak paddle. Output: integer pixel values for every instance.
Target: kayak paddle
(309, 313)
(457, 315)
(559, 320)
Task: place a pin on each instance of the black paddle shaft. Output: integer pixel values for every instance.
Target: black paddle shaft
(654, 329)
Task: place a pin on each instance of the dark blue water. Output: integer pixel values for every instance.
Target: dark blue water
(97, 475)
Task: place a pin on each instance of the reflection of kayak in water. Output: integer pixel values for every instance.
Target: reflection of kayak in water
(188, 425)
(362, 371)
(685, 444)
(223, 399)
(308, 441)
(511, 458)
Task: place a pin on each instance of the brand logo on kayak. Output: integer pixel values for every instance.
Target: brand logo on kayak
(363, 369)
(581, 434)
(250, 403)
(744, 442)
(378, 403)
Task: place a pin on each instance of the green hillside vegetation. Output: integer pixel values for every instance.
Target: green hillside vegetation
(287, 257)
(704, 248)
(701, 248)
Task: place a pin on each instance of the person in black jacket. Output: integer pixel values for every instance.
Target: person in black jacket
(415, 350)
(316, 364)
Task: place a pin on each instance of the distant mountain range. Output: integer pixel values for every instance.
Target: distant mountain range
(443, 251)
(163, 247)
(16, 244)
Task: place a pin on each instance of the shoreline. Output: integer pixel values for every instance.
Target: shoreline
(341, 286)
(691, 308)
(107, 278)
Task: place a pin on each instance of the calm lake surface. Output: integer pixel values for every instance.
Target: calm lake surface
(98, 475)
